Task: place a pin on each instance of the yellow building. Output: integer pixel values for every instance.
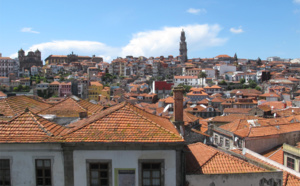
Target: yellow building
(94, 90)
(106, 92)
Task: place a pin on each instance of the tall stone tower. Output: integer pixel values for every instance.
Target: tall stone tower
(183, 48)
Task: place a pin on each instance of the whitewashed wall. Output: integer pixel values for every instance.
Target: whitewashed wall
(124, 159)
(22, 162)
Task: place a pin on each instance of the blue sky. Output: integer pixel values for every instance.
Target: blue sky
(151, 28)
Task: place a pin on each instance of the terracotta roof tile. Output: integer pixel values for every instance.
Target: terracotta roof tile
(237, 110)
(275, 154)
(203, 159)
(123, 123)
(29, 128)
(71, 108)
(17, 104)
(288, 178)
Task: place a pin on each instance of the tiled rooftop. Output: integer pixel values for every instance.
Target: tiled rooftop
(123, 123)
(203, 159)
(71, 108)
(17, 104)
(29, 128)
(288, 178)
(275, 154)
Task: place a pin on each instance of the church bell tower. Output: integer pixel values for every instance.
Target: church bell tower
(183, 48)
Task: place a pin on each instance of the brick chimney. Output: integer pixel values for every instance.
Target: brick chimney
(83, 115)
(178, 109)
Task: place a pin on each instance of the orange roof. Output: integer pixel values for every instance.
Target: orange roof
(287, 112)
(2, 94)
(275, 154)
(188, 118)
(95, 83)
(237, 110)
(17, 104)
(276, 105)
(55, 83)
(123, 123)
(270, 95)
(268, 130)
(185, 77)
(29, 128)
(5, 58)
(203, 159)
(169, 100)
(71, 108)
(288, 178)
(223, 56)
(232, 118)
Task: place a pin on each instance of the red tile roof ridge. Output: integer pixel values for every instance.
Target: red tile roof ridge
(240, 161)
(84, 122)
(49, 133)
(274, 153)
(261, 159)
(5, 100)
(44, 128)
(160, 126)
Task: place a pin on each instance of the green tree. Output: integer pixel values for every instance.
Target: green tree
(16, 89)
(252, 84)
(242, 81)
(223, 82)
(202, 75)
(37, 80)
(258, 88)
(186, 88)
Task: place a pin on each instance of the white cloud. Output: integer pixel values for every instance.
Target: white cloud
(150, 43)
(166, 41)
(196, 11)
(29, 30)
(296, 1)
(236, 30)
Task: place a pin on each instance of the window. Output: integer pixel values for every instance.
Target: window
(227, 142)
(99, 173)
(43, 172)
(221, 141)
(151, 172)
(290, 163)
(4, 172)
(216, 139)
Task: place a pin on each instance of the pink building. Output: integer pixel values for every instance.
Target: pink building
(65, 89)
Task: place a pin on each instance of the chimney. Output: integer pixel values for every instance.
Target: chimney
(82, 115)
(178, 109)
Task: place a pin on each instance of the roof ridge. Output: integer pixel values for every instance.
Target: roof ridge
(77, 103)
(52, 106)
(222, 153)
(5, 100)
(280, 148)
(210, 158)
(94, 117)
(153, 121)
(42, 127)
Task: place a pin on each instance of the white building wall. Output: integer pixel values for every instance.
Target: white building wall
(210, 73)
(226, 68)
(124, 159)
(22, 162)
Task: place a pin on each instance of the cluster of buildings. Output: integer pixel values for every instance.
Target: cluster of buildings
(149, 121)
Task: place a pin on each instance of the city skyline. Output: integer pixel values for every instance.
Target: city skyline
(250, 29)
